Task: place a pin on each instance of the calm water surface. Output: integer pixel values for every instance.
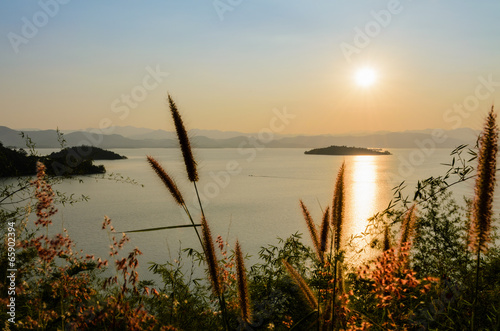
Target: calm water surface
(250, 195)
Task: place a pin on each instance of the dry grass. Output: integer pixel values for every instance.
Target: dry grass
(211, 259)
(185, 145)
(338, 207)
(305, 289)
(312, 229)
(407, 226)
(167, 180)
(243, 296)
(324, 230)
(482, 208)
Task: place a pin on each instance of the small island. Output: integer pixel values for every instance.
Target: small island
(67, 162)
(87, 153)
(344, 150)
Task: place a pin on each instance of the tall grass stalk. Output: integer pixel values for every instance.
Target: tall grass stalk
(192, 174)
(184, 143)
(324, 230)
(243, 296)
(185, 146)
(312, 229)
(167, 180)
(337, 223)
(407, 226)
(301, 283)
(174, 190)
(482, 207)
(338, 207)
(319, 240)
(213, 269)
(387, 239)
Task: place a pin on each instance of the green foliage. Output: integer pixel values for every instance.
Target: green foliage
(183, 301)
(440, 250)
(441, 234)
(276, 299)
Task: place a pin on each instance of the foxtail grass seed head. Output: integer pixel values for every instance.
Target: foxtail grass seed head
(407, 226)
(184, 143)
(387, 239)
(338, 207)
(312, 228)
(325, 227)
(306, 290)
(213, 267)
(340, 280)
(482, 206)
(243, 295)
(167, 180)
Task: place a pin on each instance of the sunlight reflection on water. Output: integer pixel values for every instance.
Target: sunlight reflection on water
(363, 180)
(361, 195)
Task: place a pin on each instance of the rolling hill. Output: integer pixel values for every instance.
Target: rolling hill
(408, 139)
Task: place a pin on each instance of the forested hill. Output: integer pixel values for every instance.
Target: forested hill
(344, 150)
(88, 153)
(16, 162)
(67, 162)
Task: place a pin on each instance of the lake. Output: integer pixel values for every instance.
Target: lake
(250, 194)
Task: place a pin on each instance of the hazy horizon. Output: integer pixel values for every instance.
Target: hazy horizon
(291, 67)
(110, 130)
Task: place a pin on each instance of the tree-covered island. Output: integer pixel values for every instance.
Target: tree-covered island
(68, 161)
(344, 150)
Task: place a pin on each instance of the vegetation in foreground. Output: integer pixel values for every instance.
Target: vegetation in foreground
(438, 266)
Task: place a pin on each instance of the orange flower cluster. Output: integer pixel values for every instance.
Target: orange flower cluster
(126, 266)
(45, 197)
(118, 312)
(227, 275)
(392, 280)
(65, 295)
(288, 322)
(393, 283)
(64, 287)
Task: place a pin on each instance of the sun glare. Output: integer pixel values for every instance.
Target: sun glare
(366, 77)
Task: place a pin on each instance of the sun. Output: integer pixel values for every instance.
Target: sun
(365, 77)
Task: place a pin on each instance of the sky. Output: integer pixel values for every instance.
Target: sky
(239, 65)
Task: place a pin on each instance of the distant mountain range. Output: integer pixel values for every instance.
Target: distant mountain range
(132, 137)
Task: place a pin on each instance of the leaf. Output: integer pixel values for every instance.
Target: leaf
(164, 228)
(458, 149)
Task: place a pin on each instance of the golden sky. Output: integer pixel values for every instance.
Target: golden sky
(230, 65)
